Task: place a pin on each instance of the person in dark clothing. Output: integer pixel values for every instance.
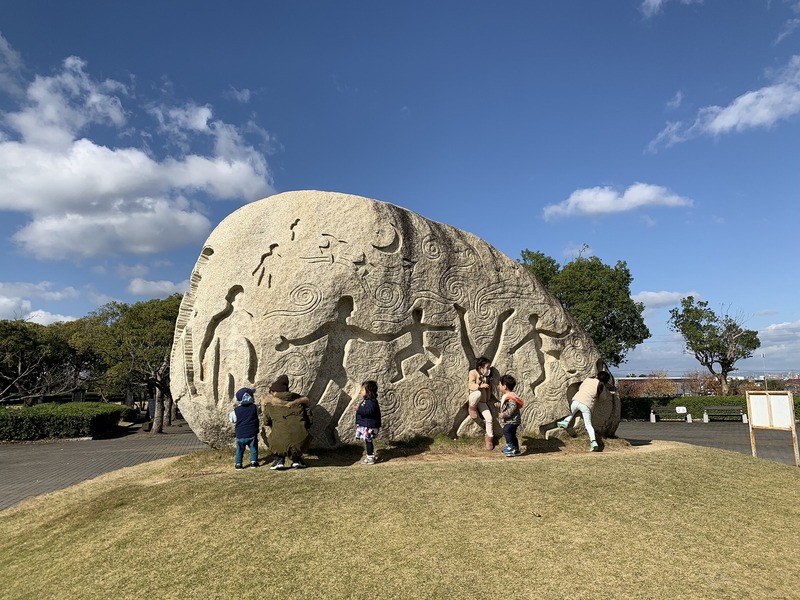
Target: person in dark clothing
(510, 405)
(286, 414)
(368, 418)
(245, 420)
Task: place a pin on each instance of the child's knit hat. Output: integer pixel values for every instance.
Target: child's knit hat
(281, 384)
(245, 395)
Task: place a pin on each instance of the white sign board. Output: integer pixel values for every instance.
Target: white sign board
(772, 410)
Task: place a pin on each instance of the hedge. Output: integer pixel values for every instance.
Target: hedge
(639, 408)
(51, 420)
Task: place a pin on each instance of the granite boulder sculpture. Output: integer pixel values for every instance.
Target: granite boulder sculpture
(333, 290)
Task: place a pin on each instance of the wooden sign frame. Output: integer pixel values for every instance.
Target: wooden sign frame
(772, 410)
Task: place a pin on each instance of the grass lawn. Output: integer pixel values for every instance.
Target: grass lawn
(444, 521)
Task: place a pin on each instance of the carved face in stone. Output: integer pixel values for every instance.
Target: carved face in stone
(334, 290)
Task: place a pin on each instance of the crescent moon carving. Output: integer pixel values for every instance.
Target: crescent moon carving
(393, 246)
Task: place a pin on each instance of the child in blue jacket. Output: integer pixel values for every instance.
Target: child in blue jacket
(245, 420)
(368, 418)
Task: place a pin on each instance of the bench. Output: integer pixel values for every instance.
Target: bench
(680, 413)
(724, 411)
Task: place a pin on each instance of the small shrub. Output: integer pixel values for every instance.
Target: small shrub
(52, 420)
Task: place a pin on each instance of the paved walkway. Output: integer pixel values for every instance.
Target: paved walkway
(727, 435)
(31, 469)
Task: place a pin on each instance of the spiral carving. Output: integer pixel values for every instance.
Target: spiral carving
(306, 297)
(575, 356)
(451, 358)
(490, 297)
(389, 295)
(515, 331)
(424, 403)
(390, 403)
(453, 288)
(431, 248)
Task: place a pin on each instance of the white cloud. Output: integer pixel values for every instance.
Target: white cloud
(606, 200)
(89, 199)
(16, 301)
(179, 122)
(132, 270)
(14, 307)
(761, 108)
(10, 69)
(780, 335)
(173, 119)
(651, 8)
(675, 101)
(662, 299)
(141, 226)
(244, 95)
(666, 355)
(97, 298)
(788, 29)
(58, 107)
(91, 178)
(43, 290)
(157, 289)
(45, 318)
(780, 342)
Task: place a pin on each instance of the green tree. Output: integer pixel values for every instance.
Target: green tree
(37, 360)
(135, 342)
(713, 339)
(598, 296)
(543, 267)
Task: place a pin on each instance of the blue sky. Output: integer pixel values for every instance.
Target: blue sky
(665, 133)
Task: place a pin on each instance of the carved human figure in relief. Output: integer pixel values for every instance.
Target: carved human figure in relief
(332, 372)
(227, 357)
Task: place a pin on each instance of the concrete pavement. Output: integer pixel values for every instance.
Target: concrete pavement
(33, 468)
(726, 435)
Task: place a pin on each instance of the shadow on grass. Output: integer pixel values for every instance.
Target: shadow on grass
(635, 442)
(343, 456)
(541, 446)
(405, 448)
(350, 454)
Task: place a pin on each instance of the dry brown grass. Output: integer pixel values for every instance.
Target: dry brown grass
(444, 521)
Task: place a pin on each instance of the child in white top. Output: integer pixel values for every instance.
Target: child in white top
(583, 402)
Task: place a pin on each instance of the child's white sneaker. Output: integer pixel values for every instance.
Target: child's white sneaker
(369, 460)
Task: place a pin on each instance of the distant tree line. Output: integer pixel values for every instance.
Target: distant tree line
(118, 350)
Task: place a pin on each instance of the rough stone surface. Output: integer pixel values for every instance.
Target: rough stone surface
(334, 290)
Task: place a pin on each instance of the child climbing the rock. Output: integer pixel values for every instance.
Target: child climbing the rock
(510, 405)
(368, 418)
(583, 402)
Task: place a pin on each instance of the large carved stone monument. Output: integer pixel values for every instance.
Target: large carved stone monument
(334, 290)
